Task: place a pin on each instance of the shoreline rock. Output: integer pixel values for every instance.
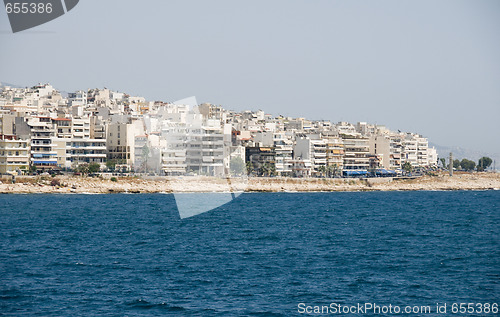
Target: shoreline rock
(88, 185)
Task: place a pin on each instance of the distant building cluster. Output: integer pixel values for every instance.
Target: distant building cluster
(43, 130)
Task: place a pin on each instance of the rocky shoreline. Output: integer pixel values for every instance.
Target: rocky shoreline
(97, 185)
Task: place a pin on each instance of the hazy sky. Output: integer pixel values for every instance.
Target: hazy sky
(431, 67)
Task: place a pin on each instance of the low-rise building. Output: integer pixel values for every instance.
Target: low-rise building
(260, 160)
(14, 154)
(86, 151)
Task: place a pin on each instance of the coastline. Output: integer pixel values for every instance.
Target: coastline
(199, 184)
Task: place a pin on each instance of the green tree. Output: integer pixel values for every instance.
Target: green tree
(468, 165)
(268, 169)
(331, 170)
(443, 162)
(250, 168)
(456, 164)
(82, 169)
(322, 170)
(272, 169)
(484, 163)
(32, 168)
(407, 167)
(94, 168)
(237, 166)
(110, 165)
(264, 169)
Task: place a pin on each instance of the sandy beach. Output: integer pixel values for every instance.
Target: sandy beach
(96, 185)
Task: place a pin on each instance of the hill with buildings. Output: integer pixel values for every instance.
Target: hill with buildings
(44, 130)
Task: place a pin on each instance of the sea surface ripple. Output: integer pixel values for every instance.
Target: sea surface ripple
(260, 255)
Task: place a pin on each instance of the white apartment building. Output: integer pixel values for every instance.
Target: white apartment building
(78, 98)
(432, 156)
(356, 150)
(76, 144)
(283, 147)
(422, 151)
(346, 128)
(415, 150)
(43, 135)
(80, 151)
(81, 128)
(205, 149)
(311, 148)
(173, 154)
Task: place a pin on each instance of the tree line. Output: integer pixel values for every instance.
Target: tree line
(468, 165)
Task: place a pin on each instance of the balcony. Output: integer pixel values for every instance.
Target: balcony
(173, 160)
(21, 155)
(14, 148)
(44, 160)
(87, 154)
(213, 159)
(174, 167)
(89, 148)
(42, 136)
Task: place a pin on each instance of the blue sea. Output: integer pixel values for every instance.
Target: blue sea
(262, 254)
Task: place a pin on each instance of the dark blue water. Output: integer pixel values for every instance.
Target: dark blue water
(261, 255)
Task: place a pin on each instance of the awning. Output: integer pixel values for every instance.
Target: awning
(45, 162)
(385, 172)
(355, 172)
